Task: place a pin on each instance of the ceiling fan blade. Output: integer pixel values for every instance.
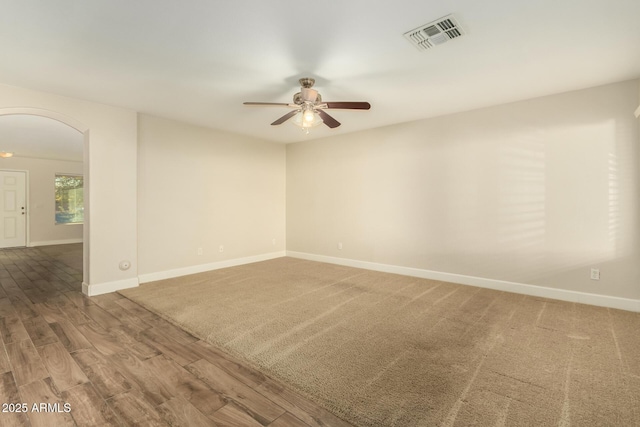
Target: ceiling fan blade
(349, 105)
(328, 120)
(285, 117)
(270, 104)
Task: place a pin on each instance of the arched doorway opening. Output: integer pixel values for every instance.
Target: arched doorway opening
(84, 135)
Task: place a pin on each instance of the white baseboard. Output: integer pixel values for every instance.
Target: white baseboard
(200, 268)
(108, 287)
(500, 285)
(55, 242)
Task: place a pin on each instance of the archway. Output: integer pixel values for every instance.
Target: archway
(84, 130)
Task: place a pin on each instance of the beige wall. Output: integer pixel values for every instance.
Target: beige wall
(42, 227)
(110, 179)
(201, 188)
(535, 192)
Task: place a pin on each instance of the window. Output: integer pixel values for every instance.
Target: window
(69, 199)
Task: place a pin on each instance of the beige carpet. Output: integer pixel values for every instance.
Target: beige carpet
(386, 350)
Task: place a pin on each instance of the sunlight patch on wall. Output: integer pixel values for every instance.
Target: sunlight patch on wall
(623, 189)
(614, 201)
(562, 203)
(522, 203)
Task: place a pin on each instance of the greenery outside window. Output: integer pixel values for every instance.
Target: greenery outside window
(69, 199)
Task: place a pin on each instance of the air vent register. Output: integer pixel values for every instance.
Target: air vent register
(435, 33)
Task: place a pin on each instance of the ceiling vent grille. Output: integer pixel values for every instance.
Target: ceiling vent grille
(434, 33)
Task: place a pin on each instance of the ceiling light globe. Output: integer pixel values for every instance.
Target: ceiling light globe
(308, 116)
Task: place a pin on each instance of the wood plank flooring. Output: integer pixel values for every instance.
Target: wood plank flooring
(106, 361)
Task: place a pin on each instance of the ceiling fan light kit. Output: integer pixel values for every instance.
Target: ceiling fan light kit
(308, 107)
(306, 120)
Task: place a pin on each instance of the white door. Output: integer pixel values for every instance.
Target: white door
(13, 210)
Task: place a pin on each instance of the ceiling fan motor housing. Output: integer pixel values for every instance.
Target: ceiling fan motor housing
(307, 95)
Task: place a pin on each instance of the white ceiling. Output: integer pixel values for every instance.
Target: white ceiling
(198, 60)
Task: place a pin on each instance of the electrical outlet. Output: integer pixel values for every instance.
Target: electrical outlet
(273, 242)
(221, 248)
(340, 245)
(595, 274)
(199, 251)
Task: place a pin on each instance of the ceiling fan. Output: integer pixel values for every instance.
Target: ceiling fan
(308, 107)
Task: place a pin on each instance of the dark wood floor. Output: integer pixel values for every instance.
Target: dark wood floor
(107, 361)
